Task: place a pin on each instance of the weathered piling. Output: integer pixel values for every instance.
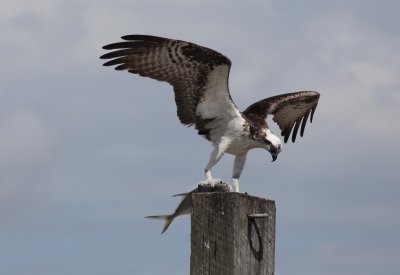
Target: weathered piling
(232, 234)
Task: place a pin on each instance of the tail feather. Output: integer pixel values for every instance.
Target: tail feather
(167, 218)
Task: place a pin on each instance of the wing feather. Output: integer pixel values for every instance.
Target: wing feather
(290, 111)
(184, 65)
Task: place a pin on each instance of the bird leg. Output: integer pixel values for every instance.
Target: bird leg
(216, 155)
(238, 166)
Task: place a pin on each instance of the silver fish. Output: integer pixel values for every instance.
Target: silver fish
(184, 208)
(186, 205)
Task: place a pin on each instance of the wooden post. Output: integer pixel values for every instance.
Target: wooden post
(226, 241)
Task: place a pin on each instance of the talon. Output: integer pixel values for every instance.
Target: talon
(211, 182)
(209, 185)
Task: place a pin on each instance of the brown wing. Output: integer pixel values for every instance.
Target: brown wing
(184, 65)
(289, 110)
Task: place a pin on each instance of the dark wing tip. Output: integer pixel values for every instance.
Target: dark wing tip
(142, 37)
(297, 126)
(133, 41)
(109, 46)
(313, 111)
(113, 62)
(105, 56)
(286, 138)
(132, 37)
(118, 45)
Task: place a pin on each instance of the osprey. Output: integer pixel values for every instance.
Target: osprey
(199, 77)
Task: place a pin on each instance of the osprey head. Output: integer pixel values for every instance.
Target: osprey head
(273, 144)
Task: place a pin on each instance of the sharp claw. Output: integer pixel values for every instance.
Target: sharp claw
(211, 182)
(213, 185)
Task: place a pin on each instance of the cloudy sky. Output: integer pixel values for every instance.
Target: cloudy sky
(87, 152)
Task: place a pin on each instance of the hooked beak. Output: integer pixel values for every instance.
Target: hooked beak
(274, 157)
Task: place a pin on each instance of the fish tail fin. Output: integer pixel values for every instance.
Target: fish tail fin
(167, 218)
(181, 194)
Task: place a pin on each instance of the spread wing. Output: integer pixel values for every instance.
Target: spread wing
(193, 71)
(289, 111)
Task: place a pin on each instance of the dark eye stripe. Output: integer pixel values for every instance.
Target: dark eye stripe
(266, 141)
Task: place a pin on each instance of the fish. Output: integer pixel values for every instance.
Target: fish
(185, 207)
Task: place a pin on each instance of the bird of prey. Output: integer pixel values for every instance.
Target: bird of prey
(199, 77)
